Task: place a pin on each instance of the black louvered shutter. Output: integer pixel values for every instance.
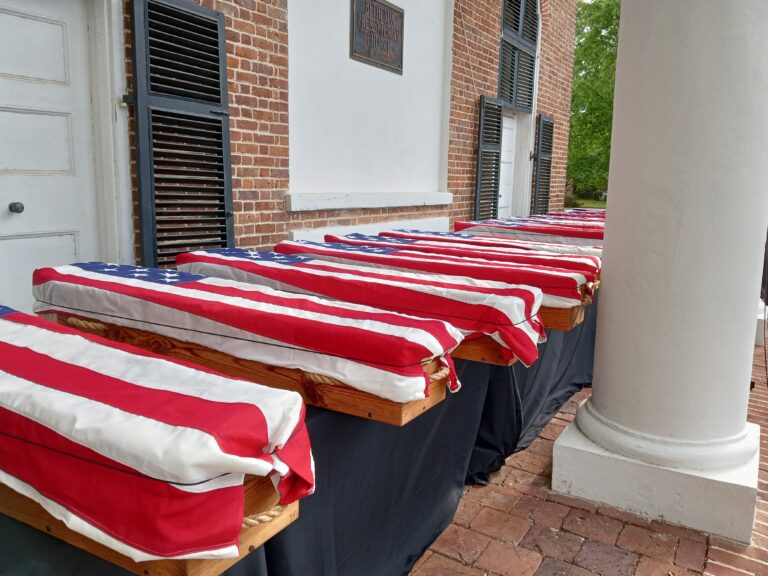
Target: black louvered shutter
(517, 63)
(542, 166)
(182, 129)
(488, 158)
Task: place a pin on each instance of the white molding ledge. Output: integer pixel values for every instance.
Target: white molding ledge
(303, 201)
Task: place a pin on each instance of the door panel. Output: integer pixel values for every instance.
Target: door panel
(49, 250)
(46, 142)
(508, 157)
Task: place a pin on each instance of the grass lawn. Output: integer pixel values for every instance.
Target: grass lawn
(584, 203)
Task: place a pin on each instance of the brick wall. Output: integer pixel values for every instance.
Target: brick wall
(257, 59)
(257, 69)
(558, 29)
(475, 72)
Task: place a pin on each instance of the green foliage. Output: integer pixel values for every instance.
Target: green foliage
(592, 203)
(594, 71)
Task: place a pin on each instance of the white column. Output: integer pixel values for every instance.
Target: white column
(665, 433)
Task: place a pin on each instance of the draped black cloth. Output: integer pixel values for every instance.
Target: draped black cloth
(383, 495)
(520, 400)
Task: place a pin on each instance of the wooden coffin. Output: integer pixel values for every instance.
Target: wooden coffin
(482, 349)
(264, 518)
(315, 389)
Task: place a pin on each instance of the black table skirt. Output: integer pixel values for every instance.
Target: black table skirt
(521, 401)
(383, 495)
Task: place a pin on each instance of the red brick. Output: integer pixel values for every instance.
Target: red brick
(508, 560)
(737, 561)
(606, 560)
(421, 561)
(657, 545)
(531, 462)
(593, 526)
(622, 516)
(437, 565)
(758, 550)
(465, 512)
(541, 512)
(460, 543)
(572, 502)
(652, 567)
(555, 567)
(526, 483)
(555, 543)
(691, 554)
(542, 446)
(552, 430)
(500, 525)
(716, 569)
(499, 497)
(681, 531)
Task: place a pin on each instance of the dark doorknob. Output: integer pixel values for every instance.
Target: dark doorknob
(16, 207)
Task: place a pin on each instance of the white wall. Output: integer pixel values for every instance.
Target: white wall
(357, 129)
(317, 234)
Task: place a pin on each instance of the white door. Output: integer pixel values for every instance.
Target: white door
(507, 176)
(46, 142)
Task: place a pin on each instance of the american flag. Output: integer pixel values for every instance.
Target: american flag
(593, 213)
(589, 266)
(569, 218)
(561, 288)
(506, 313)
(140, 453)
(537, 230)
(562, 218)
(373, 350)
(476, 240)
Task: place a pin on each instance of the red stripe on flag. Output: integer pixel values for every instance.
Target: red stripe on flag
(554, 261)
(436, 328)
(300, 481)
(475, 240)
(572, 231)
(549, 283)
(354, 344)
(463, 315)
(238, 428)
(147, 514)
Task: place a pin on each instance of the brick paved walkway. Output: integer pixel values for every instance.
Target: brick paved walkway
(517, 527)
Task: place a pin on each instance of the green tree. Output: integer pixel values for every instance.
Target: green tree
(594, 72)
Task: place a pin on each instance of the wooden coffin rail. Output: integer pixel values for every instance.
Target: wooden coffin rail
(482, 349)
(315, 389)
(564, 319)
(486, 349)
(264, 518)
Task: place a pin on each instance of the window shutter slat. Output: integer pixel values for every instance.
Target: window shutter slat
(182, 129)
(512, 13)
(508, 71)
(530, 24)
(488, 158)
(526, 76)
(517, 62)
(542, 167)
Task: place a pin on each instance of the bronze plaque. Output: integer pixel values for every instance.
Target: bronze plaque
(377, 34)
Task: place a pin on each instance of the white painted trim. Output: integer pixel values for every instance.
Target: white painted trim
(447, 89)
(525, 174)
(316, 234)
(720, 501)
(110, 130)
(299, 202)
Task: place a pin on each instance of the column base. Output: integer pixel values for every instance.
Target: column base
(720, 502)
